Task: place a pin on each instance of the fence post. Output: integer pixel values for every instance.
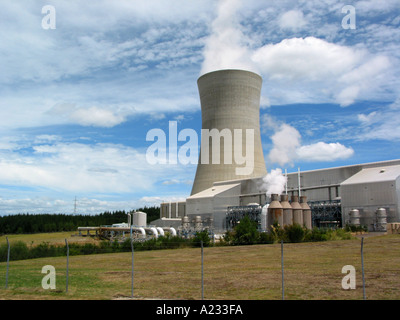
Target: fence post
(8, 261)
(202, 270)
(132, 268)
(283, 281)
(362, 267)
(66, 285)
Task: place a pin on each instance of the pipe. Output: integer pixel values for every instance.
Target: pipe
(171, 230)
(160, 231)
(154, 230)
(298, 176)
(143, 232)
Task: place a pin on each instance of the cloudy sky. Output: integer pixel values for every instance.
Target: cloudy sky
(83, 84)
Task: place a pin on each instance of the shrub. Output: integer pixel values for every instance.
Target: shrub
(245, 232)
(294, 233)
(201, 236)
(316, 234)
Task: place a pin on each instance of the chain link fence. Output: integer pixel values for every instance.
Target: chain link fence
(324, 270)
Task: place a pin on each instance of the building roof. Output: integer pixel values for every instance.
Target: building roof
(378, 174)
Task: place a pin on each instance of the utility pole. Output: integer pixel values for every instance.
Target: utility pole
(75, 206)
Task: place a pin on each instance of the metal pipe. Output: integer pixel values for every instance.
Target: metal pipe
(154, 230)
(160, 231)
(171, 230)
(286, 181)
(298, 177)
(141, 230)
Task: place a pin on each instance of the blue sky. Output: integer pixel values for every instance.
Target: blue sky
(77, 101)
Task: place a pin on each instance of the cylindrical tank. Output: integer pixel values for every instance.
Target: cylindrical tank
(297, 210)
(185, 222)
(139, 219)
(275, 211)
(381, 218)
(287, 210)
(264, 217)
(198, 223)
(230, 105)
(354, 217)
(307, 219)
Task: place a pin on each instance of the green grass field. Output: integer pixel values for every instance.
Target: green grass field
(311, 271)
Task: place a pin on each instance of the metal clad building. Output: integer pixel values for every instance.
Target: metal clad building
(366, 187)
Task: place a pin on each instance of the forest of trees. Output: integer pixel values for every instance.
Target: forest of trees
(36, 223)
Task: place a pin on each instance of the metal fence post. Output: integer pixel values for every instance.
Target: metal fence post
(66, 285)
(132, 268)
(8, 261)
(283, 281)
(202, 270)
(362, 267)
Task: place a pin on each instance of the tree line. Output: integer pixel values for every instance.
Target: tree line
(38, 223)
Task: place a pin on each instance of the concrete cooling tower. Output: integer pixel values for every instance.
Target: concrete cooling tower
(230, 103)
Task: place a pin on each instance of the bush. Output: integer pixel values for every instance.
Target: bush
(19, 250)
(294, 233)
(244, 233)
(201, 236)
(316, 234)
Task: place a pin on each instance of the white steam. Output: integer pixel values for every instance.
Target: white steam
(226, 47)
(274, 182)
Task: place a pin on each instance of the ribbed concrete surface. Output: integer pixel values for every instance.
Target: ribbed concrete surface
(230, 99)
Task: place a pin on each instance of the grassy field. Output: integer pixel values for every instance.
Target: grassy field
(311, 271)
(51, 238)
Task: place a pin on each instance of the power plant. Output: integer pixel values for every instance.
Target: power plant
(229, 181)
(224, 192)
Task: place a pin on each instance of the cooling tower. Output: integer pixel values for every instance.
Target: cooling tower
(230, 107)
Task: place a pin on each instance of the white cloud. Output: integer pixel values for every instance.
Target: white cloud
(75, 167)
(95, 116)
(325, 152)
(285, 143)
(287, 147)
(292, 20)
(301, 69)
(382, 124)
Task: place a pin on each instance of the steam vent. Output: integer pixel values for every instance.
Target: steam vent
(230, 99)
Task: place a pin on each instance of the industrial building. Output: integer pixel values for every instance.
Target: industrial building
(223, 192)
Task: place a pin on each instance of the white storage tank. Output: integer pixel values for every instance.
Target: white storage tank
(355, 217)
(264, 217)
(381, 218)
(139, 219)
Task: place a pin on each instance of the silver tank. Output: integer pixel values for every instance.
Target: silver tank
(381, 219)
(354, 217)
